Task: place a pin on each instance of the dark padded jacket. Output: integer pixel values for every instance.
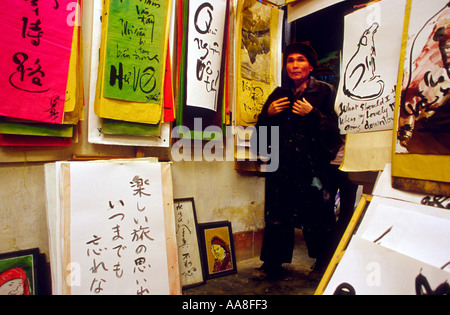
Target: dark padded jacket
(298, 192)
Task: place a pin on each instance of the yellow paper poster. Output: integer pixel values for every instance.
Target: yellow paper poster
(74, 103)
(367, 152)
(257, 58)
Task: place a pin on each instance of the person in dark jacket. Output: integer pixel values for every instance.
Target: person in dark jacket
(299, 193)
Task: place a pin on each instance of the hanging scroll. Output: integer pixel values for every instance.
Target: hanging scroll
(35, 59)
(132, 61)
(116, 132)
(134, 54)
(204, 101)
(258, 63)
(205, 53)
(424, 126)
(366, 96)
(422, 146)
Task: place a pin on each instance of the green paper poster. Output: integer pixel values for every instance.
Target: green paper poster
(125, 128)
(135, 50)
(34, 129)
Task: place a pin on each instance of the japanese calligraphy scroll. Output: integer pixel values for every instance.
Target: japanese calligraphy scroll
(35, 59)
(117, 223)
(366, 96)
(422, 130)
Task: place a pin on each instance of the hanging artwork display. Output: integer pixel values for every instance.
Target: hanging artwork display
(202, 69)
(205, 53)
(134, 55)
(258, 51)
(117, 132)
(366, 96)
(422, 132)
(35, 61)
(424, 127)
(132, 61)
(44, 99)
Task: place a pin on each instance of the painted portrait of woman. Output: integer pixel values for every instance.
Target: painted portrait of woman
(218, 249)
(14, 282)
(222, 255)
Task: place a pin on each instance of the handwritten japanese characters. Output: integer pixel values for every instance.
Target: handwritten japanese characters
(35, 59)
(135, 48)
(367, 92)
(118, 229)
(206, 52)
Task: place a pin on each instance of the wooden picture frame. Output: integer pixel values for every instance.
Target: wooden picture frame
(189, 254)
(19, 272)
(218, 249)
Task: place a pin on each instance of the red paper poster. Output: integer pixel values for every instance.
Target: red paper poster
(33, 141)
(36, 45)
(168, 91)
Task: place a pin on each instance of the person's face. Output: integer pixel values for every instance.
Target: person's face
(13, 287)
(298, 68)
(218, 252)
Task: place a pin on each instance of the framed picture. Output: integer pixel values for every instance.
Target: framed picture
(189, 254)
(218, 249)
(18, 272)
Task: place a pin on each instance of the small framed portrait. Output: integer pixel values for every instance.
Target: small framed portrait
(18, 272)
(218, 249)
(189, 253)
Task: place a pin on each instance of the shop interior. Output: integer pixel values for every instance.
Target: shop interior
(157, 154)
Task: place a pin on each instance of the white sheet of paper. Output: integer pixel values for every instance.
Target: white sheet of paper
(117, 229)
(371, 269)
(417, 231)
(205, 52)
(371, 58)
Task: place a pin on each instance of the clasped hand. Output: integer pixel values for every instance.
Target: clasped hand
(300, 107)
